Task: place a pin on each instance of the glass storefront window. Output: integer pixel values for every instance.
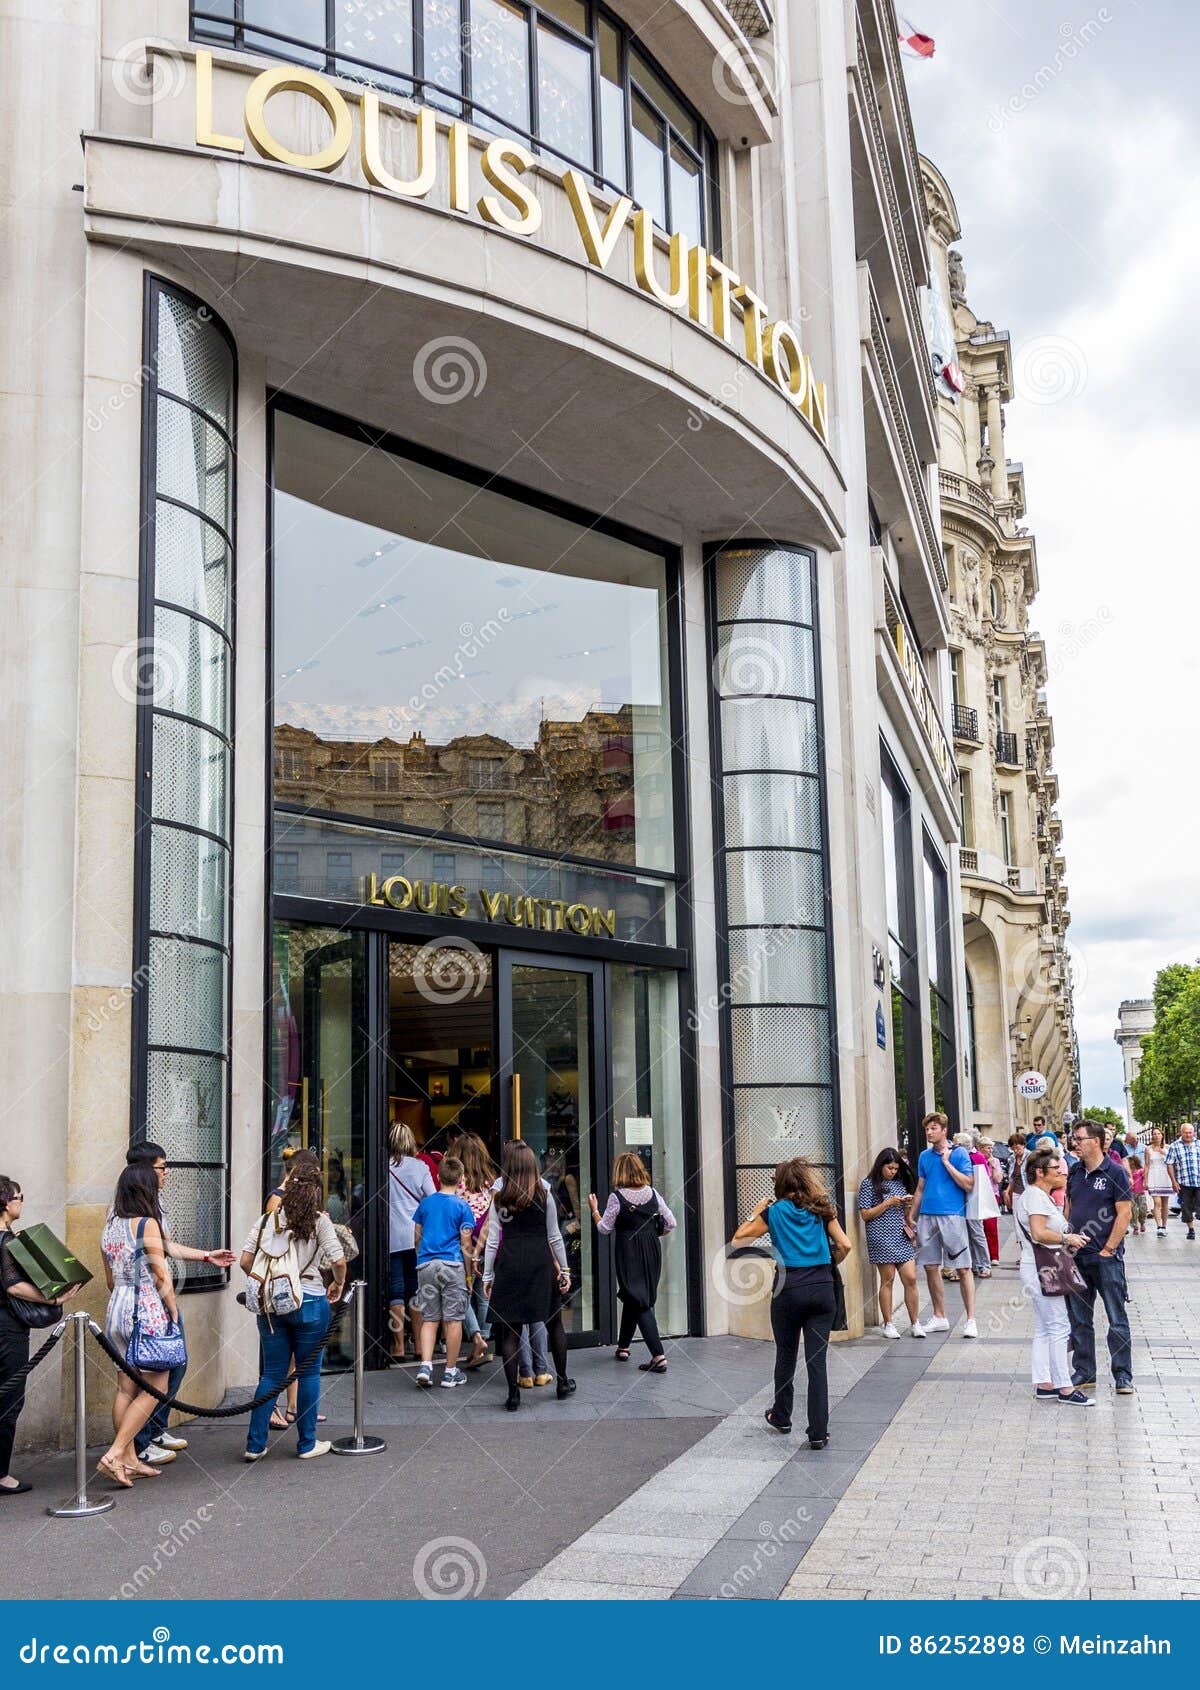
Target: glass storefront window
(450, 657)
(489, 59)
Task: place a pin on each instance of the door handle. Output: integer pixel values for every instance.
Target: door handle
(516, 1105)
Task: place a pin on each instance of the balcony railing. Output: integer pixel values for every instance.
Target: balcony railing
(966, 723)
(1006, 750)
(961, 487)
(1031, 754)
(968, 860)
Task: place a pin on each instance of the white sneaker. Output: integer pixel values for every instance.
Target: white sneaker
(321, 1447)
(170, 1440)
(158, 1457)
(889, 1330)
(937, 1323)
(916, 1330)
(970, 1330)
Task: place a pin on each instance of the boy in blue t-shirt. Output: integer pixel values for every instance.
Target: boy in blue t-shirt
(442, 1228)
(945, 1179)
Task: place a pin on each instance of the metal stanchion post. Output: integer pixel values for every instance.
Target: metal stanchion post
(80, 1506)
(358, 1444)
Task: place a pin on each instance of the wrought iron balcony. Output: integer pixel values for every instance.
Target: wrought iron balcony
(1006, 750)
(1031, 751)
(966, 723)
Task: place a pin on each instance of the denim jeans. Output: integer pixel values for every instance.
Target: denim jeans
(157, 1423)
(1106, 1275)
(535, 1358)
(287, 1338)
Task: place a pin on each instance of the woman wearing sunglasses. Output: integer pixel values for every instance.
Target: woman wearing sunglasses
(14, 1333)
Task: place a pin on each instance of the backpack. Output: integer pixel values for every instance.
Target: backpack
(273, 1285)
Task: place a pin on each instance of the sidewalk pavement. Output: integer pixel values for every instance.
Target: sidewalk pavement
(943, 1477)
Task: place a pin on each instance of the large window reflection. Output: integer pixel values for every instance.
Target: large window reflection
(529, 70)
(451, 658)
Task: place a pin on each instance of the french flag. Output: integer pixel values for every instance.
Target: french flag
(912, 43)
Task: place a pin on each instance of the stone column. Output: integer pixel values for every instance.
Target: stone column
(995, 422)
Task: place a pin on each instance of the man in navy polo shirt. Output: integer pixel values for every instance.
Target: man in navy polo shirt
(1099, 1203)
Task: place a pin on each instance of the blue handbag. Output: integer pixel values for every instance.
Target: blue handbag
(151, 1352)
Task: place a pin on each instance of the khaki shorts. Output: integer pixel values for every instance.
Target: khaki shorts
(441, 1290)
(943, 1241)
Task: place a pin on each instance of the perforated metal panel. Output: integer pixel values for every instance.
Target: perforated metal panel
(773, 810)
(190, 777)
(767, 733)
(186, 984)
(777, 965)
(191, 564)
(193, 462)
(185, 1105)
(771, 886)
(761, 582)
(191, 668)
(788, 1045)
(757, 659)
(753, 1184)
(188, 879)
(193, 1203)
(776, 1122)
(194, 358)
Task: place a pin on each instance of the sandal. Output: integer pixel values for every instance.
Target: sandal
(289, 1418)
(656, 1364)
(143, 1470)
(621, 1355)
(118, 1475)
(279, 1422)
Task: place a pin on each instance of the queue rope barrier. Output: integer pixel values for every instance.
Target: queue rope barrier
(115, 1356)
(15, 1380)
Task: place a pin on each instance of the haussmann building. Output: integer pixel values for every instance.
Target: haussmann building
(476, 635)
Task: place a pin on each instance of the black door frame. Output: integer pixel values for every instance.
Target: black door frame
(599, 1034)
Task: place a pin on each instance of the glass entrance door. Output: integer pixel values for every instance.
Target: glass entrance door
(552, 1068)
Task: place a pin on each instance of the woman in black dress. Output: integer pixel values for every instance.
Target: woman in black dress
(14, 1333)
(636, 1216)
(525, 1273)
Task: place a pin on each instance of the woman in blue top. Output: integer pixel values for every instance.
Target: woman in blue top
(806, 1241)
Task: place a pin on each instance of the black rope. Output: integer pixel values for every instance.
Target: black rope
(18, 1378)
(115, 1356)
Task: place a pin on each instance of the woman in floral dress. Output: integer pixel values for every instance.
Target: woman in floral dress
(138, 1280)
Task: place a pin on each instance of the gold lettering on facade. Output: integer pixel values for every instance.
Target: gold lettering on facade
(579, 918)
(374, 169)
(753, 314)
(426, 895)
(458, 901)
(522, 910)
(604, 921)
(643, 263)
(206, 135)
(723, 279)
(460, 167)
(397, 892)
(698, 287)
(784, 361)
(291, 79)
(491, 902)
(497, 165)
(598, 244)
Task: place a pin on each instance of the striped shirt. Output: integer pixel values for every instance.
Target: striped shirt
(1185, 1159)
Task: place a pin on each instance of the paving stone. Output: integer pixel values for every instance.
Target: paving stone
(744, 1572)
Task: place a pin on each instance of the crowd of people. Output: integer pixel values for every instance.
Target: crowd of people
(482, 1256)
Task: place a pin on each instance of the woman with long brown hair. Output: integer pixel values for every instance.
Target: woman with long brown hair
(636, 1215)
(297, 1337)
(807, 1244)
(525, 1271)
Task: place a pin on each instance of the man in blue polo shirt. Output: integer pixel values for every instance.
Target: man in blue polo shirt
(945, 1178)
(1100, 1204)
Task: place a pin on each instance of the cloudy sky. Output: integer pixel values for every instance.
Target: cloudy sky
(1069, 138)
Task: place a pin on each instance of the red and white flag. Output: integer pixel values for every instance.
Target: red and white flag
(912, 43)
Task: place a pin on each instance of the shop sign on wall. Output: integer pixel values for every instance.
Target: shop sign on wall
(699, 285)
(435, 897)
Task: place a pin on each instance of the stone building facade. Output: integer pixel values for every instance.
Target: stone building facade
(1013, 870)
(1135, 1023)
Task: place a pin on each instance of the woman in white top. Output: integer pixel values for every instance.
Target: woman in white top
(296, 1338)
(409, 1180)
(1158, 1180)
(1040, 1221)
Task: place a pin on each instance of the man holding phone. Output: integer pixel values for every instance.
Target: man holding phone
(938, 1220)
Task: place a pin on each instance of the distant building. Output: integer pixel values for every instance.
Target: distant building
(1135, 1023)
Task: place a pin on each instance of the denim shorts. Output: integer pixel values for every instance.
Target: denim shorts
(402, 1276)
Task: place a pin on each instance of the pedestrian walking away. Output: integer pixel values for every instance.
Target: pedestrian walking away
(156, 1444)
(1099, 1207)
(938, 1219)
(526, 1276)
(299, 1237)
(1160, 1186)
(443, 1234)
(636, 1216)
(982, 1205)
(409, 1180)
(1137, 1181)
(884, 1198)
(808, 1244)
(17, 1296)
(1183, 1165)
(1041, 1222)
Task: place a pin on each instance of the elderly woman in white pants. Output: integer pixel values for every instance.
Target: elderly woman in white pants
(1040, 1221)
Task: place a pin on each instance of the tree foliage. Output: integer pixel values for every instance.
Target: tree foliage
(1110, 1117)
(1167, 1086)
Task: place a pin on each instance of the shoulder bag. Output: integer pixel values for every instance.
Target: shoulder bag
(1057, 1274)
(841, 1322)
(150, 1352)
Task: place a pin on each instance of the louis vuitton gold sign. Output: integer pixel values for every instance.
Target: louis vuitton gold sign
(698, 285)
(434, 897)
